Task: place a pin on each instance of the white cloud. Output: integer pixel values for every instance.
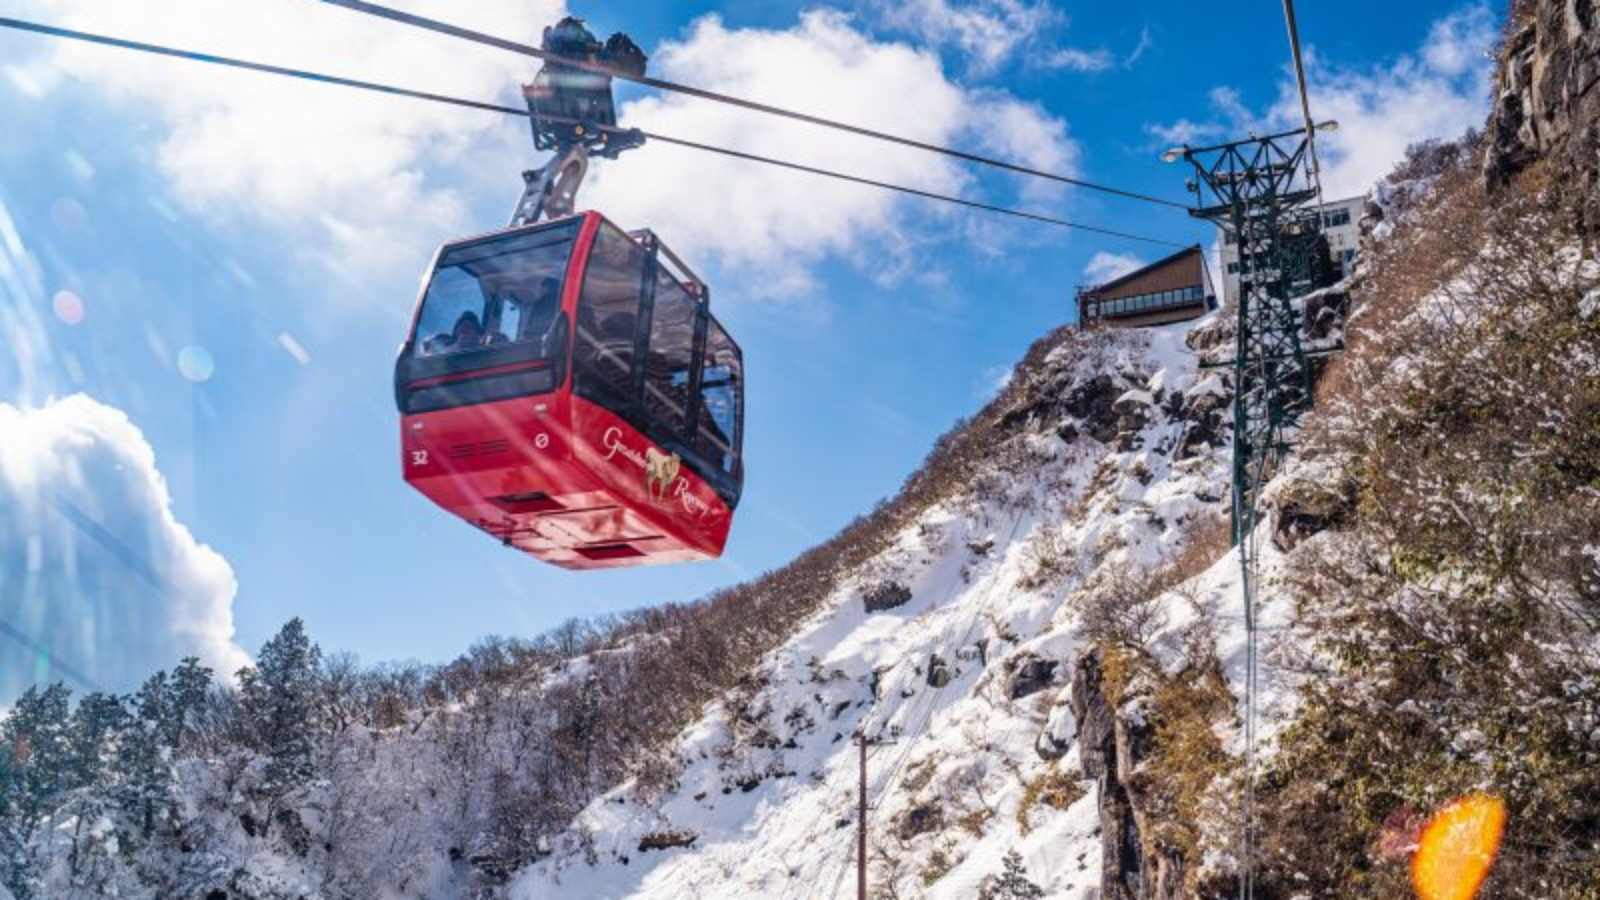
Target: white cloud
(1105, 266)
(1146, 41)
(1026, 133)
(987, 32)
(96, 574)
(366, 184)
(1232, 118)
(1461, 44)
(1183, 131)
(353, 175)
(1076, 60)
(1438, 91)
(775, 223)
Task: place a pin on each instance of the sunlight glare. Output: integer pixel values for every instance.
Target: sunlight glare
(1458, 846)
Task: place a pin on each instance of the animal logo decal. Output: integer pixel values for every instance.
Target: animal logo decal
(660, 471)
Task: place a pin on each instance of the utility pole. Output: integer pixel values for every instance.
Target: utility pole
(861, 836)
(862, 742)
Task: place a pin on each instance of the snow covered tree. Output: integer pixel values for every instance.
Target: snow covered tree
(339, 701)
(278, 699)
(96, 731)
(35, 764)
(145, 759)
(188, 699)
(1012, 883)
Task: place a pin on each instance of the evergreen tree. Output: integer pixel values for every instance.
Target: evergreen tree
(1012, 883)
(188, 699)
(37, 740)
(278, 698)
(35, 767)
(96, 731)
(147, 781)
(98, 727)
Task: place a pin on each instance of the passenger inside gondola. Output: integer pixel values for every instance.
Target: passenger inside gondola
(467, 333)
(539, 315)
(511, 288)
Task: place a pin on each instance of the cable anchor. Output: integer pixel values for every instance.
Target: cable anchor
(574, 116)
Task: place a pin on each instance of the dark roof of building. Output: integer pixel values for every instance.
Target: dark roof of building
(1123, 279)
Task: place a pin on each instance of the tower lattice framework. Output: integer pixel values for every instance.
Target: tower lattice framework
(1261, 192)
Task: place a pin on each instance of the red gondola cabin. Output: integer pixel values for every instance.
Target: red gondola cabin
(566, 389)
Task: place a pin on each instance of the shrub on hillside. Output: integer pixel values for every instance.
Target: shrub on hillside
(1454, 618)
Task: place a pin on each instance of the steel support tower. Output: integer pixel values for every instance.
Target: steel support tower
(1261, 192)
(1258, 192)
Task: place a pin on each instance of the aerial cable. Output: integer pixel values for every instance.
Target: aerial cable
(905, 190)
(490, 40)
(892, 781)
(157, 49)
(1249, 546)
(1305, 98)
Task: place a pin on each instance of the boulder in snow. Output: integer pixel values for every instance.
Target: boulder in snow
(1028, 674)
(666, 839)
(885, 596)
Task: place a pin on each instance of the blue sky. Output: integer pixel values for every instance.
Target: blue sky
(224, 264)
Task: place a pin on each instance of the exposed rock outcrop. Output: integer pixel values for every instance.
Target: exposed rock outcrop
(1313, 496)
(1028, 674)
(667, 839)
(1547, 105)
(885, 596)
(1112, 746)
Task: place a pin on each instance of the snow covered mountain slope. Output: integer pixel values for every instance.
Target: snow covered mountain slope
(958, 674)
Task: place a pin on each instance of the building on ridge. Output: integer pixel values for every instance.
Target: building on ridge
(1173, 289)
(1341, 226)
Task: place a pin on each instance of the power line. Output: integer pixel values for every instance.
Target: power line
(391, 90)
(490, 40)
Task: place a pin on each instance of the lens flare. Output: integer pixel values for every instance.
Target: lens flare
(1458, 846)
(68, 307)
(196, 364)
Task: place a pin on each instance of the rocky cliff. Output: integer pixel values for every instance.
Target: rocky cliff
(1546, 105)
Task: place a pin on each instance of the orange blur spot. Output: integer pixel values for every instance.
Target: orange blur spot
(1457, 848)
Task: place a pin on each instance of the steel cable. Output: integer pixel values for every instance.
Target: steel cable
(392, 90)
(434, 25)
